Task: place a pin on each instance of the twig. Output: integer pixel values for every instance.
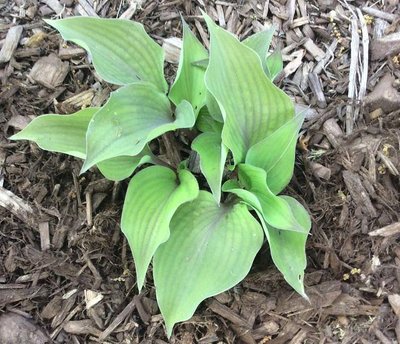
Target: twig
(355, 42)
(379, 14)
(365, 44)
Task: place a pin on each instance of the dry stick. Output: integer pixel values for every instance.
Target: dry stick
(365, 45)
(355, 41)
(379, 14)
(118, 319)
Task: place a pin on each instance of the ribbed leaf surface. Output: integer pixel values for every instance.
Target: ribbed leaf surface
(121, 50)
(288, 248)
(151, 200)
(134, 115)
(122, 167)
(252, 106)
(59, 133)
(212, 160)
(211, 249)
(276, 153)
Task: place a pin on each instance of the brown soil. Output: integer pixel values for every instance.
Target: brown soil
(55, 257)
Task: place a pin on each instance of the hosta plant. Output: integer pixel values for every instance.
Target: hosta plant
(199, 242)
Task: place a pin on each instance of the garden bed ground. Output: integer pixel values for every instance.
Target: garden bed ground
(66, 274)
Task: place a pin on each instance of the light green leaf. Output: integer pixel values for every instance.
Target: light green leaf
(274, 64)
(260, 43)
(122, 167)
(153, 196)
(201, 63)
(213, 108)
(206, 123)
(189, 83)
(212, 160)
(211, 249)
(134, 115)
(252, 106)
(288, 247)
(59, 133)
(274, 209)
(121, 50)
(276, 154)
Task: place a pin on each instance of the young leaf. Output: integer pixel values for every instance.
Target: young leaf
(260, 42)
(274, 209)
(121, 50)
(276, 153)
(212, 160)
(189, 83)
(210, 250)
(134, 115)
(122, 167)
(59, 133)
(153, 196)
(288, 247)
(252, 106)
(274, 64)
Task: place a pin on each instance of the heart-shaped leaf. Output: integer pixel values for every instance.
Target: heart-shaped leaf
(134, 115)
(276, 153)
(211, 249)
(252, 106)
(288, 247)
(212, 160)
(121, 50)
(151, 200)
(59, 133)
(189, 83)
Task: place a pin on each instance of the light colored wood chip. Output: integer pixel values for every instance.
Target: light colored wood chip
(10, 43)
(379, 14)
(172, 47)
(66, 52)
(313, 49)
(44, 236)
(18, 207)
(49, 71)
(55, 6)
(389, 230)
(316, 88)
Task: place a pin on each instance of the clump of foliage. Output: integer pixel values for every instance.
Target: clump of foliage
(247, 129)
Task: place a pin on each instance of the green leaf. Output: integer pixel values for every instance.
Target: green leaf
(288, 247)
(121, 50)
(206, 123)
(189, 83)
(274, 209)
(260, 43)
(134, 115)
(59, 133)
(212, 160)
(274, 64)
(276, 154)
(211, 249)
(122, 167)
(213, 108)
(252, 106)
(153, 196)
